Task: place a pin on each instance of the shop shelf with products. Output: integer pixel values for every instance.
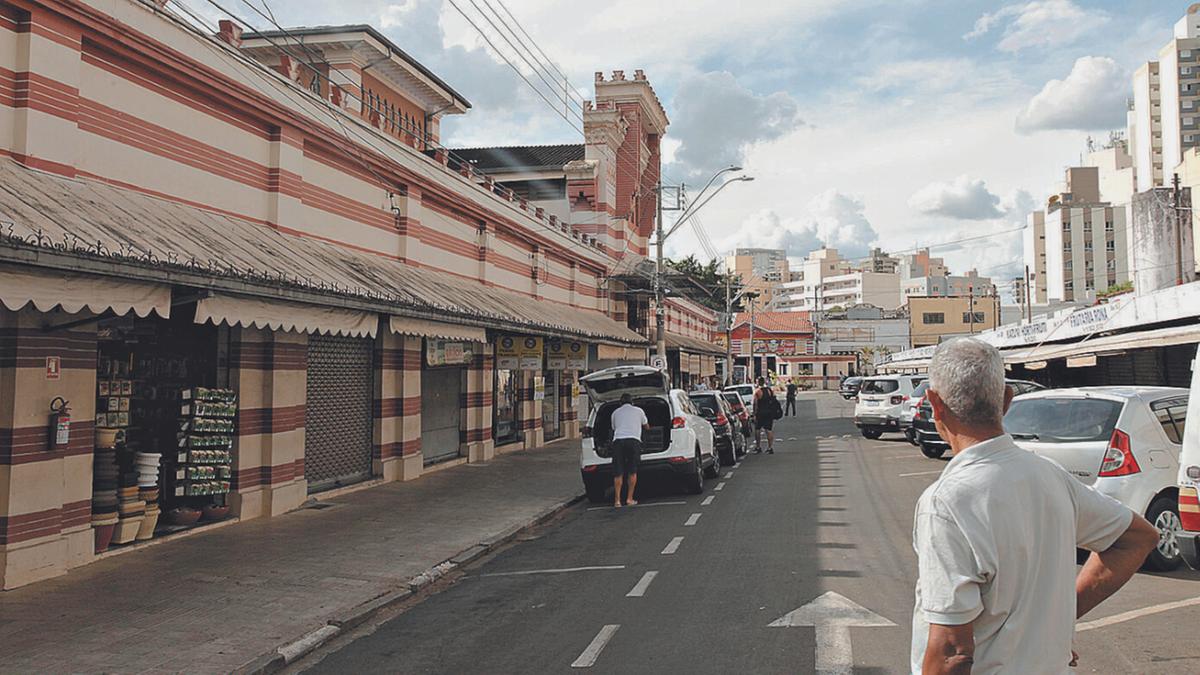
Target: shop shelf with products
(202, 471)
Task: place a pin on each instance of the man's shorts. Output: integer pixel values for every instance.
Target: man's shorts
(626, 454)
(766, 423)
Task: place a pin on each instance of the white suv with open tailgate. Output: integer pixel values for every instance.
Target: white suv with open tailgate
(679, 440)
(881, 401)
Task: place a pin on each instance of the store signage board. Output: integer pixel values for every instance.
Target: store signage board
(53, 367)
(530, 350)
(508, 353)
(577, 355)
(450, 352)
(556, 355)
(539, 388)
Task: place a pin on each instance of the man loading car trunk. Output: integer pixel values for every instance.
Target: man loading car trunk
(628, 422)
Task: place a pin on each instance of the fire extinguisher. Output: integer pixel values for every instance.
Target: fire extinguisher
(60, 423)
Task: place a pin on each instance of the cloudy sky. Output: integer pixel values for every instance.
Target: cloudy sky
(865, 123)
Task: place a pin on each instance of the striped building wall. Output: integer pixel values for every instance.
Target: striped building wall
(397, 444)
(477, 404)
(529, 419)
(45, 492)
(268, 369)
(568, 413)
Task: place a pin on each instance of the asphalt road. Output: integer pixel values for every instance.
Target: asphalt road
(692, 583)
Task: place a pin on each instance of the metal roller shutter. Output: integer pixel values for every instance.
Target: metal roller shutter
(338, 422)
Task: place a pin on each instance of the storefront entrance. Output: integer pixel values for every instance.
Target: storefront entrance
(338, 419)
(505, 414)
(441, 413)
(551, 429)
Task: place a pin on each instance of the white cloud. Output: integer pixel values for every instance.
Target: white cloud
(1040, 23)
(832, 219)
(964, 198)
(1091, 97)
(716, 119)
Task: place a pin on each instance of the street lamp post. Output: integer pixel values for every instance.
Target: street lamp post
(660, 310)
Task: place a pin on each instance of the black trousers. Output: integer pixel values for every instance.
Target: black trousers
(791, 405)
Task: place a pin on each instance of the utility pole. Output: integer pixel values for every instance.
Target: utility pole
(1178, 231)
(971, 307)
(753, 372)
(728, 330)
(660, 312)
(1028, 297)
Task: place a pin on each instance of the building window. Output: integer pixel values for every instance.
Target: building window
(978, 317)
(1108, 226)
(1087, 227)
(1110, 246)
(929, 318)
(1069, 286)
(1087, 245)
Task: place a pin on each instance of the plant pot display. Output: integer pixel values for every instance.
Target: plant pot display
(213, 512)
(127, 530)
(201, 473)
(183, 516)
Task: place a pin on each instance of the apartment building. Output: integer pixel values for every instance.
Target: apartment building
(934, 320)
(802, 292)
(1166, 102)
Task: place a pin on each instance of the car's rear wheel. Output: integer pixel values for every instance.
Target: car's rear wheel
(729, 456)
(932, 451)
(713, 469)
(871, 433)
(596, 489)
(911, 435)
(694, 483)
(1164, 515)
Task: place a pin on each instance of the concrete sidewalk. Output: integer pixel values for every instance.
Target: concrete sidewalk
(219, 600)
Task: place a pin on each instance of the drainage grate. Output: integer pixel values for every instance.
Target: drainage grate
(316, 505)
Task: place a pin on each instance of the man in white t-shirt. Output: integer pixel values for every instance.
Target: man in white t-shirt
(628, 421)
(996, 535)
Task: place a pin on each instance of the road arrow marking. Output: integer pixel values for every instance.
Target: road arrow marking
(832, 615)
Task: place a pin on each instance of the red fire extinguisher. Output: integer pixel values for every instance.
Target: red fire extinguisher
(60, 423)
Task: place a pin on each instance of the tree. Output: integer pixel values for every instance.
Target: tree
(708, 277)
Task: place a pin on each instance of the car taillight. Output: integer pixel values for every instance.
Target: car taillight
(678, 423)
(586, 432)
(722, 420)
(1189, 509)
(591, 468)
(897, 400)
(1118, 459)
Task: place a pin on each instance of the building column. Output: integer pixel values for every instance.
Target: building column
(408, 211)
(529, 420)
(269, 371)
(45, 491)
(477, 403)
(285, 179)
(568, 415)
(397, 445)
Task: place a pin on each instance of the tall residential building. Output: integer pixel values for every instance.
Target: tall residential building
(1115, 170)
(968, 284)
(880, 262)
(920, 264)
(761, 270)
(1079, 244)
(1166, 100)
(803, 292)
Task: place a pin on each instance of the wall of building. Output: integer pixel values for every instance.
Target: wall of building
(1154, 241)
(924, 332)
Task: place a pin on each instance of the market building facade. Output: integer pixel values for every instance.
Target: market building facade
(251, 274)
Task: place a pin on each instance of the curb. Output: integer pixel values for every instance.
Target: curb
(279, 658)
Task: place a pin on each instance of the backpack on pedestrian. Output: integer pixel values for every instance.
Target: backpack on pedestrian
(771, 403)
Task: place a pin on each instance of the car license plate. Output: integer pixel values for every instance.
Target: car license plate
(872, 404)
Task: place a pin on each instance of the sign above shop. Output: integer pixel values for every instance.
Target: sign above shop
(508, 353)
(531, 353)
(566, 355)
(450, 352)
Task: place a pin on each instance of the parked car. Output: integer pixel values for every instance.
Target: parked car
(746, 391)
(850, 387)
(880, 400)
(679, 440)
(727, 428)
(743, 414)
(1123, 441)
(925, 430)
(908, 408)
(1188, 506)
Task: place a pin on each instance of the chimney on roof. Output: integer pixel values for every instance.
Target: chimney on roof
(231, 33)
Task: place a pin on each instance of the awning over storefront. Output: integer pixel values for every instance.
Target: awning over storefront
(47, 289)
(114, 231)
(436, 329)
(233, 310)
(614, 353)
(1110, 344)
(692, 345)
(708, 366)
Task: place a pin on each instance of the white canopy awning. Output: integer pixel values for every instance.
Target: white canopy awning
(20, 286)
(436, 329)
(1111, 344)
(234, 310)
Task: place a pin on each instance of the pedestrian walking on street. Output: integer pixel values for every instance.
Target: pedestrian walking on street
(628, 422)
(766, 411)
(996, 536)
(791, 399)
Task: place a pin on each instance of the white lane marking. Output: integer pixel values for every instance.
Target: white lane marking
(1136, 614)
(672, 546)
(588, 658)
(708, 500)
(920, 473)
(791, 438)
(720, 486)
(639, 589)
(692, 520)
(728, 475)
(635, 506)
(560, 570)
(845, 435)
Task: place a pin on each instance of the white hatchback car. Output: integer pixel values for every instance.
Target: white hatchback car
(1123, 441)
(881, 401)
(679, 440)
(746, 391)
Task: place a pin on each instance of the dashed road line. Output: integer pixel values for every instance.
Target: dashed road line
(672, 546)
(636, 506)
(639, 589)
(561, 570)
(728, 475)
(720, 486)
(1135, 614)
(692, 520)
(708, 500)
(920, 473)
(588, 658)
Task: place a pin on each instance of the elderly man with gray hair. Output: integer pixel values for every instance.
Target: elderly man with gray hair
(996, 536)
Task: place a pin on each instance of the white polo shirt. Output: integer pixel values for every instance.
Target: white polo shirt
(627, 422)
(995, 538)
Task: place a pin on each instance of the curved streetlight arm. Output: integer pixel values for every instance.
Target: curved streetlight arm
(695, 208)
(714, 179)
